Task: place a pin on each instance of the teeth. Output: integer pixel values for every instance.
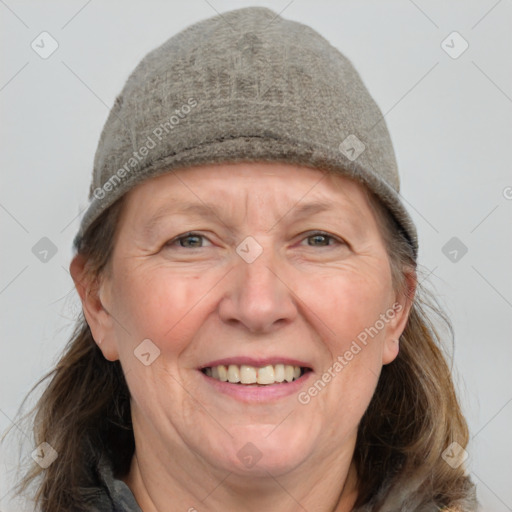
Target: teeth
(246, 374)
(233, 373)
(223, 373)
(279, 372)
(266, 375)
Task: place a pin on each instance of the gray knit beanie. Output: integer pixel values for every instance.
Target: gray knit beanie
(246, 85)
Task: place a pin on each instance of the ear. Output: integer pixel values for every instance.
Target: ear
(94, 294)
(398, 315)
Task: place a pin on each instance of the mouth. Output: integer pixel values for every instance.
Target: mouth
(249, 375)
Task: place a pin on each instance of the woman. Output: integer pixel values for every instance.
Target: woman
(282, 361)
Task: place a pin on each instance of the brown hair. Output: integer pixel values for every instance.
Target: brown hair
(413, 416)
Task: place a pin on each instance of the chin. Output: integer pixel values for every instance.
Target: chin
(260, 450)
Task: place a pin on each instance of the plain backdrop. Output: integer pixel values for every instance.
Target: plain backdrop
(450, 121)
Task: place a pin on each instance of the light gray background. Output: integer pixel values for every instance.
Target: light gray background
(450, 121)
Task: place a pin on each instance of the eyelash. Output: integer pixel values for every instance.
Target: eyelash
(312, 234)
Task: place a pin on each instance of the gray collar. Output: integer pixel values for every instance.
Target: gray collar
(111, 494)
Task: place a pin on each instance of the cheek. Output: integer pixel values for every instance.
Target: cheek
(165, 308)
(156, 305)
(353, 303)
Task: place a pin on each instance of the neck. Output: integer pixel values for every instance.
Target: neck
(164, 487)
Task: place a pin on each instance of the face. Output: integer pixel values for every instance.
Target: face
(284, 275)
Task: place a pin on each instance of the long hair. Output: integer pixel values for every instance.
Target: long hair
(414, 415)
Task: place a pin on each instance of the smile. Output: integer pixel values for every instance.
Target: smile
(264, 375)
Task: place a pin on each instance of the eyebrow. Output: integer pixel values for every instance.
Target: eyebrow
(209, 209)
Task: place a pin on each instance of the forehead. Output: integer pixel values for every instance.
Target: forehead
(264, 194)
(240, 189)
(263, 181)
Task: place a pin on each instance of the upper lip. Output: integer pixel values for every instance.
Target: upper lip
(256, 362)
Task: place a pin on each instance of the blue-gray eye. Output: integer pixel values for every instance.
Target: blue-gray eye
(195, 239)
(321, 236)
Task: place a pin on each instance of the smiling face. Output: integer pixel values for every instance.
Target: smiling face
(277, 280)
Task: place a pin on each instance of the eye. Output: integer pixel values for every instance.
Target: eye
(193, 240)
(322, 238)
(188, 241)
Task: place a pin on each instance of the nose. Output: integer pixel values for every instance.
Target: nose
(259, 296)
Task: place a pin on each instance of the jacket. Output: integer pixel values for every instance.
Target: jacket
(111, 494)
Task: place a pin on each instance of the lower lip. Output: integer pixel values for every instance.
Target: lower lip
(253, 393)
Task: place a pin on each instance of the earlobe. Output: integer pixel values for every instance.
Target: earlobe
(96, 315)
(402, 308)
(394, 331)
(391, 350)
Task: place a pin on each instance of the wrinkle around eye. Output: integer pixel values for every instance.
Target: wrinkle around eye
(334, 242)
